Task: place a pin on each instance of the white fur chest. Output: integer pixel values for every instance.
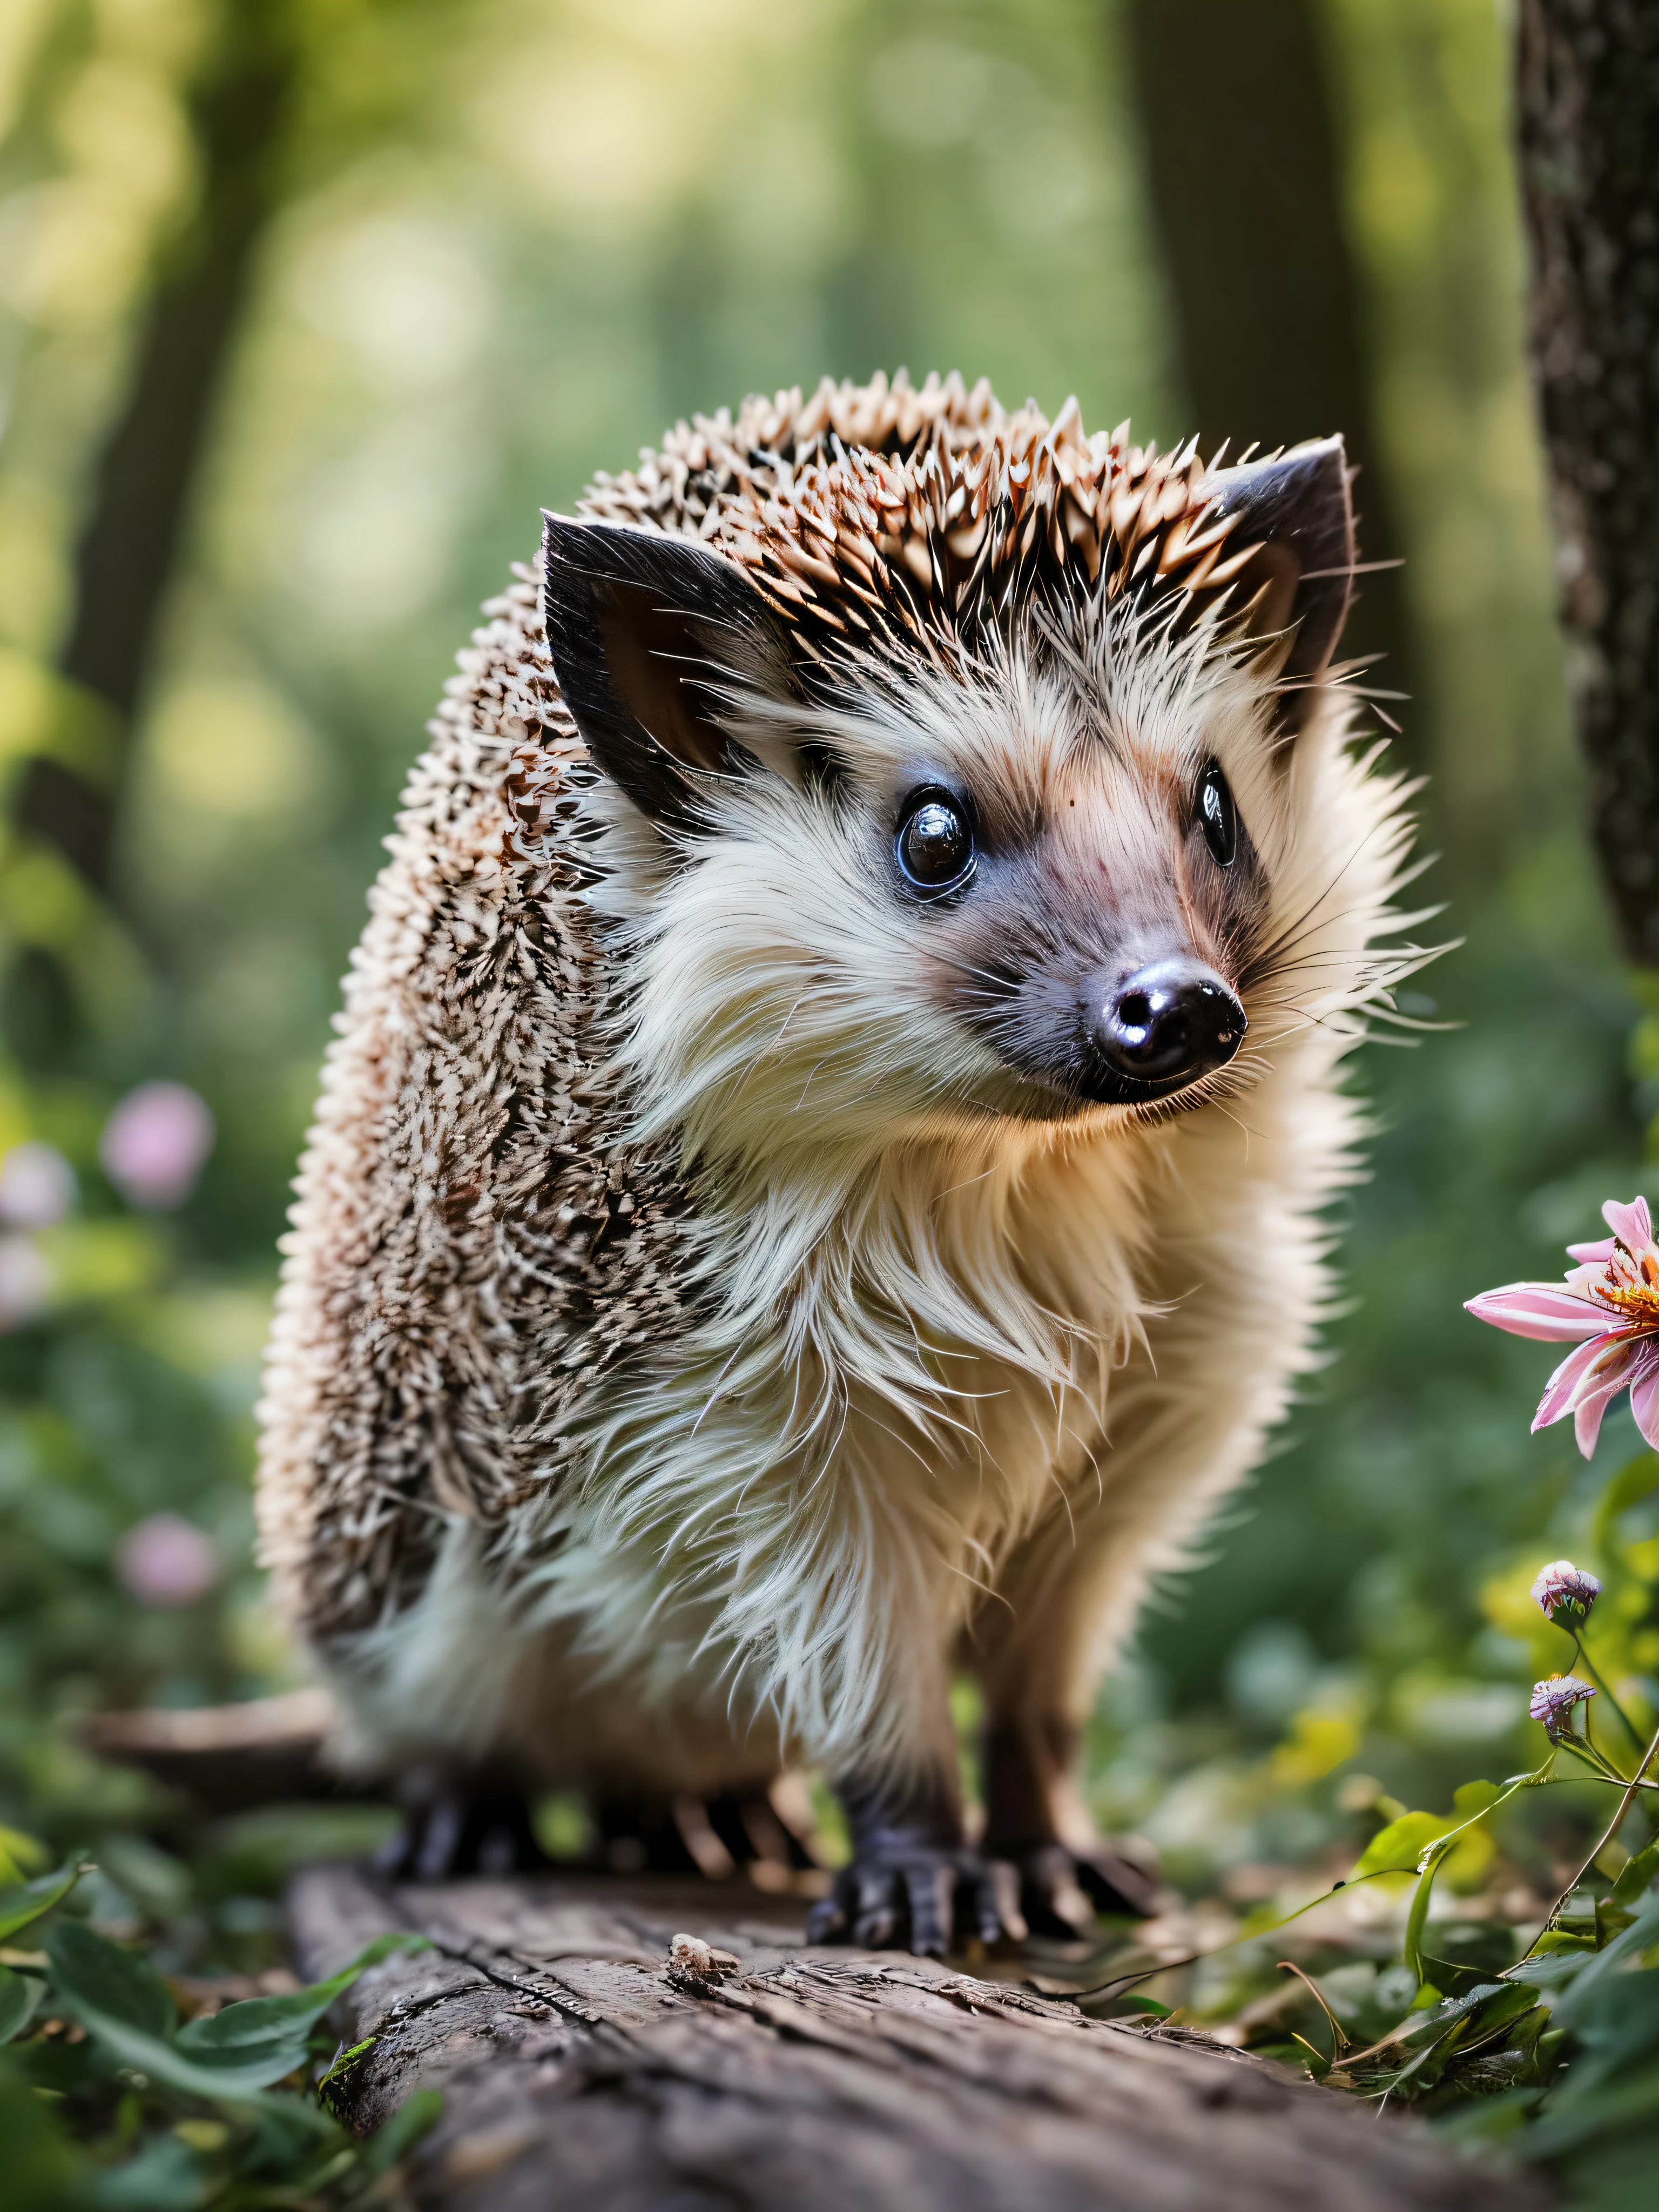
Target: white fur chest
(803, 1511)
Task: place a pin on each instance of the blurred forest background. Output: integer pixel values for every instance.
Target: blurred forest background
(349, 288)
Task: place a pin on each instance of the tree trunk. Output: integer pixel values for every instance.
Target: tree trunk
(1242, 156)
(1587, 102)
(579, 2068)
(141, 493)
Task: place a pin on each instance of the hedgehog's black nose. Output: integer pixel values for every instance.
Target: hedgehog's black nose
(1163, 1026)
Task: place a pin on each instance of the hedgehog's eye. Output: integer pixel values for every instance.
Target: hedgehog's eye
(1216, 816)
(935, 843)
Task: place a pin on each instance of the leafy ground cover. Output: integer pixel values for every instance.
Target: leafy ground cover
(1456, 1963)
(164, 2111)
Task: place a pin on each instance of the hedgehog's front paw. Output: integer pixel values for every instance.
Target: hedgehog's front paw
(1060, 1890)
(462, 1828)
(925, 1898)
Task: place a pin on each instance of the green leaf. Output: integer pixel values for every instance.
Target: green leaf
(43, 2172)
(110, 1991)
(1550, 1970)
(272, 2030)
(1418, 1843)
(1637, 1873)
(21, 1902)
(124, 2007)
(1411, 1948)
(1501, 2008)
(1471, 1799)
(120, 1985)
(1451, 2032)
(19, 1996)
(1446, 1975)
(1635, 1480)
(1313, 2057)
(1399, 1848)
(1610, 1960)
(150, 2055)
(164, 2177)
(18, 1852)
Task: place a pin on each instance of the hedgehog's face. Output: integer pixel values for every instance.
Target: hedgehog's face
(1033, 882)
(1078, 886)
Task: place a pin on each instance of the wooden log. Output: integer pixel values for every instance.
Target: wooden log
(227, 1759)
(579, 2068)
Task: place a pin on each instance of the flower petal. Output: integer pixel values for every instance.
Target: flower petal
(1601, 1250)
(1587, 1415)
(1632, 1225)
(1644, 1402)
(1592, 1368)
(1548, 1312)
(1619, 1369)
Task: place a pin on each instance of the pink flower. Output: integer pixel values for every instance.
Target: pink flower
(37, 1186)
(167, 1561)
(154, 1143)
(1553, 1702)
(1562, 1586)
(1610, 1301)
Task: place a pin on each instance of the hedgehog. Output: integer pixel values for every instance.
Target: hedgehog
(820, 1185)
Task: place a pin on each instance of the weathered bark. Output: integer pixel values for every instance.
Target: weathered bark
(1587, 102)
(579, 2069)
(150, 461)
(1241, 154)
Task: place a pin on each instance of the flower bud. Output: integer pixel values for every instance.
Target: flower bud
(1553, 1702)
(1564, 1594)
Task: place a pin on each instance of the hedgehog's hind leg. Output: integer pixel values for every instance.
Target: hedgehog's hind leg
(1038, 1676)
(1066, 1876)
(477, 1821)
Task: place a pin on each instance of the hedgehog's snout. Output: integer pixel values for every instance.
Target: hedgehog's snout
(1159, 1028)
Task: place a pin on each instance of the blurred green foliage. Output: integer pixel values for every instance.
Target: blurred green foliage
(205, 2110)
(514, 240)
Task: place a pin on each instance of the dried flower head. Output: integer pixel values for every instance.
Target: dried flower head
(1553, 1702)
(1562, 1588)
(1610, 1300)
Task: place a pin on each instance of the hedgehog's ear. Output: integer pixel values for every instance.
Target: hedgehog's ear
(1294, 528)
(652, 638)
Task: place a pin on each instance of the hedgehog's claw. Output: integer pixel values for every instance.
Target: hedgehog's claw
(1061, 1891)
(925, 1898)
(460, 1830)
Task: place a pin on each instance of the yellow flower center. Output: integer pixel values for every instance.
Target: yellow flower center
(1637, 1300)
